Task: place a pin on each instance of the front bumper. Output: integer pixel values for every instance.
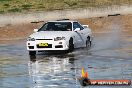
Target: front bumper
(52, 45)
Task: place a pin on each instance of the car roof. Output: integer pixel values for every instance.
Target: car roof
(63, 20)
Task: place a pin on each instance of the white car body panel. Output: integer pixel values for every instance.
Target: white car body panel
(79, 38)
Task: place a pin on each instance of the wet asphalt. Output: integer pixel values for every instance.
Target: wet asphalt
(109, 57)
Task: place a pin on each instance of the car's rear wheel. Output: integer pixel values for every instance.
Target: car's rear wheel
(32, 52)
(88, 42)
(71, 45)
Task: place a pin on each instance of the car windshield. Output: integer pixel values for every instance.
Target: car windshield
(56, 26)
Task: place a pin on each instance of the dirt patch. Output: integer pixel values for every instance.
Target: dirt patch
(103, 24)
(11, 32)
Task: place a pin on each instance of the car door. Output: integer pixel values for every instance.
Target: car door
(78, 34)
(84, 34)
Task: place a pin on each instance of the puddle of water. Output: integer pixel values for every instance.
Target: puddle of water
(62, 72)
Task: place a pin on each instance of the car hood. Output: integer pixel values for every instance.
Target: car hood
(50, 34)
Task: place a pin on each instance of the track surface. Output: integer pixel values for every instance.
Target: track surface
(110, 57)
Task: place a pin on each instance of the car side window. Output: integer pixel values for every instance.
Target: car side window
(77, 25)
(80, 26)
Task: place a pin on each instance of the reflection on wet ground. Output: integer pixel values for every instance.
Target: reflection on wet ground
(108, 58)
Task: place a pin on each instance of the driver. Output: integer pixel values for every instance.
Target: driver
(69, 27)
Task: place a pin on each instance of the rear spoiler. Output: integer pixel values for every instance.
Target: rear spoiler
(85, 26)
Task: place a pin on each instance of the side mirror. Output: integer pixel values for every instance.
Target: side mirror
(85, 26)
(77, 29)
(35, 30)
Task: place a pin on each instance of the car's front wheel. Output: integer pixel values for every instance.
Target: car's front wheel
(71, 45)
(32, 52)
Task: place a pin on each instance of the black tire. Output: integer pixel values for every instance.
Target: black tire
(33, 53)
(71, 45)
(88, 42)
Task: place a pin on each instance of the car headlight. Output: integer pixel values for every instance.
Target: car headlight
(59, 38)
(30, 39)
